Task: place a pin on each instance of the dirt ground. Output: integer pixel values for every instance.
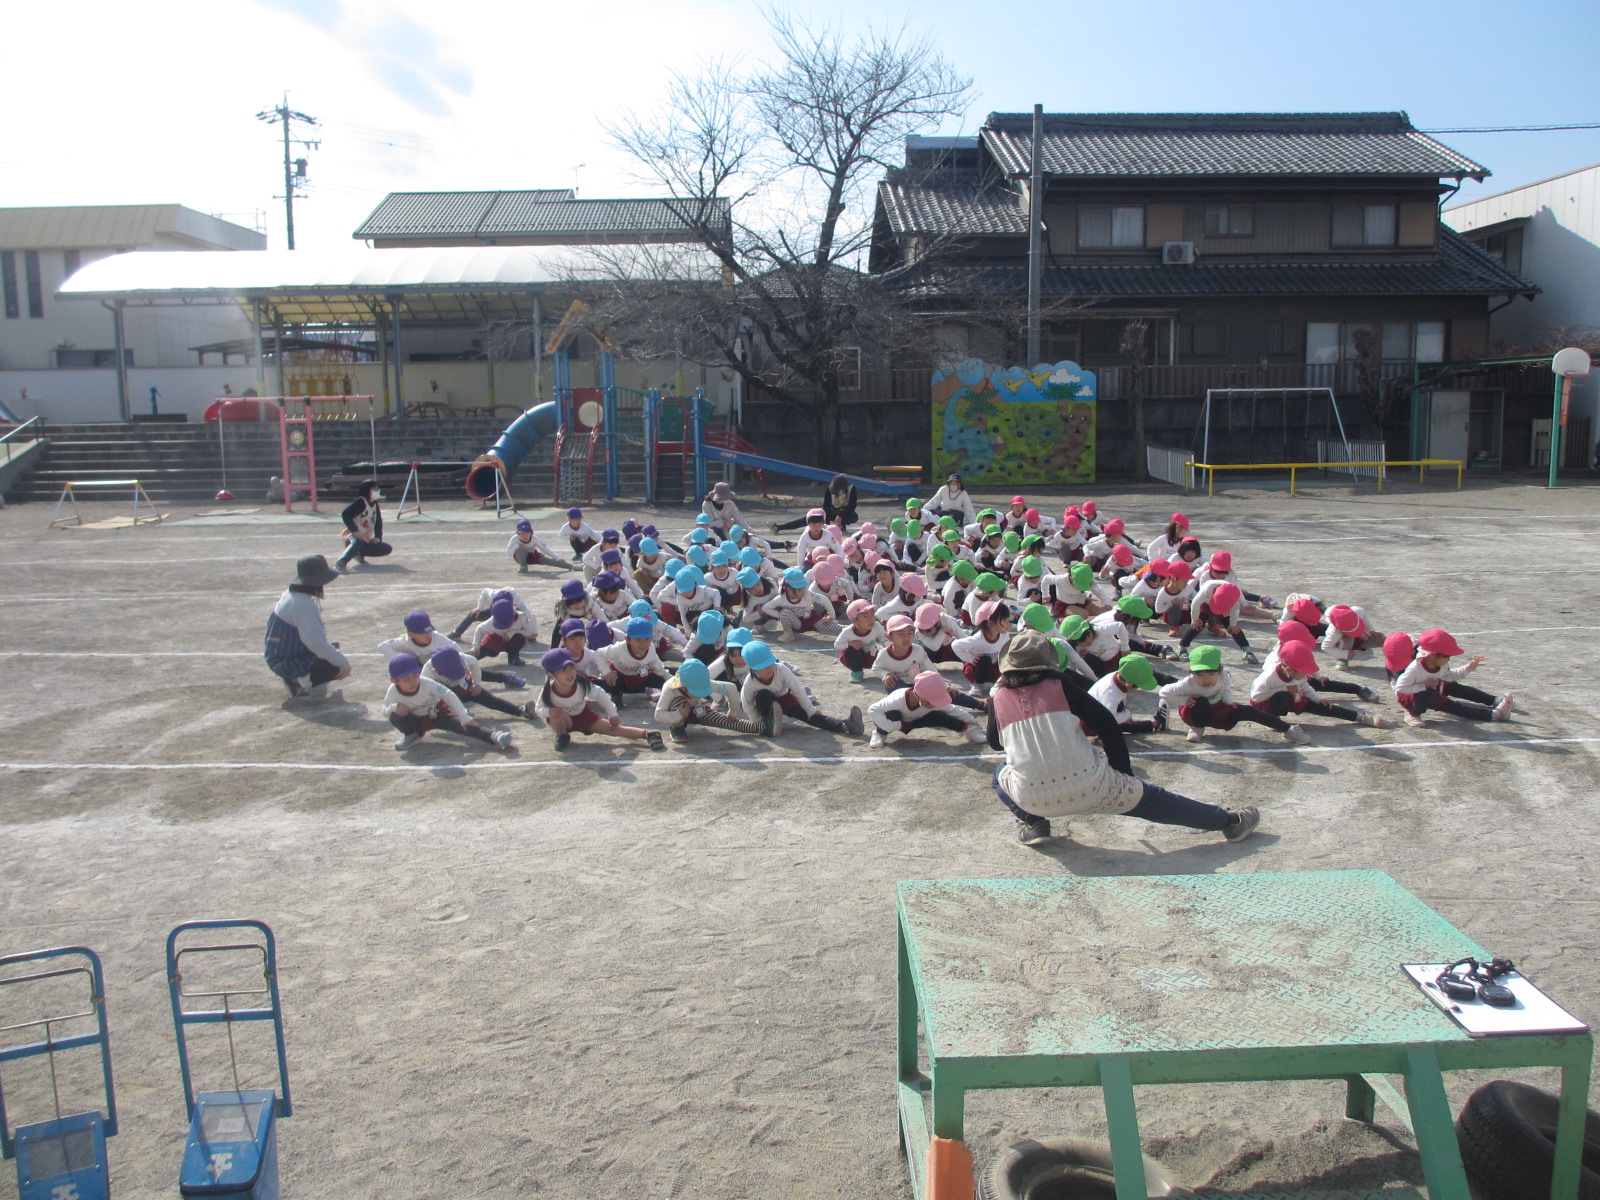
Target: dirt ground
(621, 973)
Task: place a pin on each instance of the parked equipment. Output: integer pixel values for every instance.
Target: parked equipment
(231, 1152)
(63, 1158)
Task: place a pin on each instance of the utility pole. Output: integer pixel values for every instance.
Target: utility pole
(294, 169)
(1035, 233)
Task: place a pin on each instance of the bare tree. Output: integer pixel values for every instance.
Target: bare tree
(775, 292)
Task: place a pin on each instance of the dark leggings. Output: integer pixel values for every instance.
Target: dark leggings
(856, 660)
(1449, 698)
(938, 720)
(1324, 684)
(1191, 633)
(1280, 703)
(489, 700)
(1201, 714)
(765, 701)
(322, 671)
(413, 724)
(477, 614)
(1157, 805)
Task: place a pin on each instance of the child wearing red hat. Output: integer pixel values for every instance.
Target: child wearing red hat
(1066, 542)
(1166, 545)
(1293, 631)
(1349, 634)
(1215, 609)
(1175, 595)
(926, 703)
(572, 703)
(1015, 517)
(1430, 682)
(1398, 651)
(1097, 551)
(1220, 566)
(1286, 687)
(1307, 609)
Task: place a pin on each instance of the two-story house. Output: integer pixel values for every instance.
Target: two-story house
(1257, 247)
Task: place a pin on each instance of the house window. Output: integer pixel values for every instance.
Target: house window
(71, 260)
(1400, 341)
(1365, 224)
(1230, 220)
(91, 358)
(1202, 338)
(1110, 228)
(8, 282)
(1430, 341)
(35, 281)
(1285, 338)
(1322, 342)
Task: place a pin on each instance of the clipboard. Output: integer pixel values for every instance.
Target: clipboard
(1534, 1012)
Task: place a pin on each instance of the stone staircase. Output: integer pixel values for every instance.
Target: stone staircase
(181, 462)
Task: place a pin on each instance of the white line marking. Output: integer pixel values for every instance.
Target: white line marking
(1530, 629)
(758, 759)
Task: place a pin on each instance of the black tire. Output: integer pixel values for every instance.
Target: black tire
(1507, 1134)
(1064, 1169)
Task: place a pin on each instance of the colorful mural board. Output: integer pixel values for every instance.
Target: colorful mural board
(1006, 426)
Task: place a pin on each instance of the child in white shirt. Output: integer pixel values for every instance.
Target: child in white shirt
(1204, 699)
(1430, 682)
(570, 703)
(692, 697)
(507, 631)
(1133, 674)
(902, 660)
(578, 534)
(926, 703)
(632, 665)
(858, 643)
(527, 548)
(772, 691)
(415, 705)
(980, 653)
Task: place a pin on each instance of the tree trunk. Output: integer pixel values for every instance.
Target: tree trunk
(1141, 465)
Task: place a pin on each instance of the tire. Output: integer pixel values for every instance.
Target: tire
(1064, 1169)
(1507, 1134)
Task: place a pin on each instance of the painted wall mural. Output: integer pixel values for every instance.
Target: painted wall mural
(1004, 426)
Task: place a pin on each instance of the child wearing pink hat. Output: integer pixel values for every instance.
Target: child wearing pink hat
(910, 590)
(858, 643)
(1307, 609)
(816, 534)
(902, 660)
(828, 580)
(926, 703)
(980, 653)
(572, 703)
(1286, 688)
(1349, 634)
(937, 631)
(885, 582)
(415, 705)
(1430, 682)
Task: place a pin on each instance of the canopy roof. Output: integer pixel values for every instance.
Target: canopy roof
(431, 287)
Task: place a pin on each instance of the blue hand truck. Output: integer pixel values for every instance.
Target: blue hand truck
(64, 1158)
(231, 1152)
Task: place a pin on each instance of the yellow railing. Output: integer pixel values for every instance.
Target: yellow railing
(1422, 465)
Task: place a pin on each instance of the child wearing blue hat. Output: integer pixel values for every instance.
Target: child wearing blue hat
(692, 697)
(710, 636)
(687, 599)
(795, 608)
(527, 548)
(649, 564)
(772, 691)
(415, 705)
(631, 662)
(462, 675)
(571, 703)
(507, 630)
(669, 640)
(578, 534)
(723, 579)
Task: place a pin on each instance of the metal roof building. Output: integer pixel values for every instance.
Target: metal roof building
(548, 217)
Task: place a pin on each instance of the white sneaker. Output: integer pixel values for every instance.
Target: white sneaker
(1502, 711)
(786, 636)
(501, 739)
(876, 740)
(1375, 720)
(1296, 733)
(1415, 721)
(977, 735)
(1194, 735)
(407, 741)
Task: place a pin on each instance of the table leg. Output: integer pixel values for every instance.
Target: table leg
(1360, 1101)
(906, 1025)
(1122, 1116)
(1436, 1132)
(1569, 1128)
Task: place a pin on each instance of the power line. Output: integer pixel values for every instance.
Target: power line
(294, 169)
(1510, 128)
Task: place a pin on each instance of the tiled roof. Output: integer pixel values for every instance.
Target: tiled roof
(547, 213)
(1460, 269)
(913, 208)
(1188, 144)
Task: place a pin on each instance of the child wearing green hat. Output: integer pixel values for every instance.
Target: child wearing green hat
(1037, 618)
(1204, 699)
(1133, 674)
(692, 697)
(772, 691)
(1075, 592)
(957, 589)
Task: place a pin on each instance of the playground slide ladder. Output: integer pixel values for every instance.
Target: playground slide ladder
(574, 467)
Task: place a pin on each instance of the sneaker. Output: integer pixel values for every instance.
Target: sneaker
(501, 739)
(1506, 700)
(853, 722)
(1158, 723)
(341, 567)
(1251, 657)
(875, 742)
(786, 636)
(1367, 693)
(1296, 733)
(1244, 823)
(977, 735)
(563, 740)
(1268, 602)
(1034, 831)
(514, 660)
(678, 733)
(459, 638)
(1502, 711)
(297, 690)
(514, 682)
(1415, 721)
(409, 740)
(654, 740)
(857, 676)
(1375, 721)
(1194, 734)
(1342, 665)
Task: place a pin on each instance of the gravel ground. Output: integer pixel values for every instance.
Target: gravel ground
(661, 975)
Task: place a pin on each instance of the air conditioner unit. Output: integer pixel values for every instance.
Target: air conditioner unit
(1177, 254)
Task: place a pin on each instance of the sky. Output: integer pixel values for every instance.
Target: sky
(116, 103)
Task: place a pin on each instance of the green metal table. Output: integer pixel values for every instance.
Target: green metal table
(1110, 983)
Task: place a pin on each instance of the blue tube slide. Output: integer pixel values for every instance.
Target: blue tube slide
(513, 446)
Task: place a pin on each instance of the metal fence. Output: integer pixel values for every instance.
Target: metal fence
(1359, 452)
(1166, 464)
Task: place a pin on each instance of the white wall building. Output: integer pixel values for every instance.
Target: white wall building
(1549, 233)
(58, 357)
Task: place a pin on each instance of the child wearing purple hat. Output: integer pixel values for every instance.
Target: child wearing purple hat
(415, 705)
(507, 630)
(583, 641)
(527, 548)
(632, 664)
(462, 675)
(420, 637)
(570, 703)
(578, 534)
(610, 539)
(481, 610)
(574, 600)
(612, 594)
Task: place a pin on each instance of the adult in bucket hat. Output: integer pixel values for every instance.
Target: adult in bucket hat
(1037, 717)
(296, 647)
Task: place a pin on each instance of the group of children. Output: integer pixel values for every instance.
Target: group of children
(687, 622)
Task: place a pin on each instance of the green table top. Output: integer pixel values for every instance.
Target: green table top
(1162, 964)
